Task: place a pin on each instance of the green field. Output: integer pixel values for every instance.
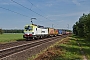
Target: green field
(10, 37)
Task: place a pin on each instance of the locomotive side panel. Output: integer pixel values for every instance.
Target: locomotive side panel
(44, 31)
(38, 31)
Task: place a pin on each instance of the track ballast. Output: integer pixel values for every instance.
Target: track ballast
(4, 53)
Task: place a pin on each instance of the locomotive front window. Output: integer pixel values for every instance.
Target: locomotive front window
(28, 28)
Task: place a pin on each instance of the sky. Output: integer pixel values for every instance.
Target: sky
(59, 14)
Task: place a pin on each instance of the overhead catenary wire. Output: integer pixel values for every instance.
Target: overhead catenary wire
(36, 7)
(33, 4)
(29, 9)
(21, 13)
(14, 12)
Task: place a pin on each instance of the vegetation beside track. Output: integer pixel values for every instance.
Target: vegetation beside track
(66, 49)
(10, 37)
(82, 27)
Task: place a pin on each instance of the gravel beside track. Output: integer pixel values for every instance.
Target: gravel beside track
(24, 54)
(8, 45)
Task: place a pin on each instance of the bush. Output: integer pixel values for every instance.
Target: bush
(1, 31)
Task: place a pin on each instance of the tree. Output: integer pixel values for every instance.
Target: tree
(82, 27)
(1, 31)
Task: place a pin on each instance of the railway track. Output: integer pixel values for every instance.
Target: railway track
(11, 50)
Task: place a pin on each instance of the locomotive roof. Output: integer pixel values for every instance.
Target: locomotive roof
(39, 26)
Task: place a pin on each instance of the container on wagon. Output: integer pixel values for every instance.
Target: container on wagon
(55, 32)
(60, 31)
(51, 31)
(63, 32)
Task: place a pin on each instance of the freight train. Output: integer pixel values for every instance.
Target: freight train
(34, 31)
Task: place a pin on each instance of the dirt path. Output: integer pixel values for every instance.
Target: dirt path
(82, 52)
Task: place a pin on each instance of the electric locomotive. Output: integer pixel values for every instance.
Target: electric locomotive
(34, 31)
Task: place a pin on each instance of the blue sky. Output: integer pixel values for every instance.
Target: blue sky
(61, 13)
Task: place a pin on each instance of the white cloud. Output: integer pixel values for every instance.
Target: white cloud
(49, 5)
(9, 2)
(3, 3)
(76, 2)
(69, 14)
(6, 3)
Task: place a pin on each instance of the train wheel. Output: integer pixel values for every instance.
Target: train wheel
(33, 38)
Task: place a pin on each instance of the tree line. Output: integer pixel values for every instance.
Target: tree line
(11, 31)
(17, 31)
(82, 27)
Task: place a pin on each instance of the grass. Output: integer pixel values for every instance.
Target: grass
(66, 49)
(70, 50)
(10, 37)
(85, 44)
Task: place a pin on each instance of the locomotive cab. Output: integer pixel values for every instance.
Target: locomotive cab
(29, 31)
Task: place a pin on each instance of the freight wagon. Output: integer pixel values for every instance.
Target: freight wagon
(63, 32)
(55, 32)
